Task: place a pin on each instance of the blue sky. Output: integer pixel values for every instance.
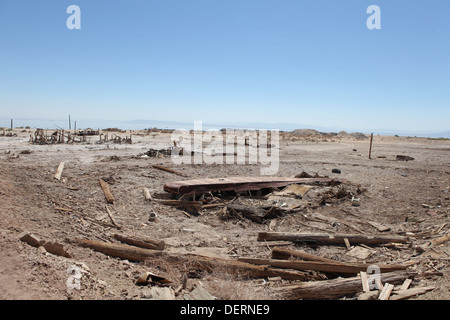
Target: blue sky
(312, 63)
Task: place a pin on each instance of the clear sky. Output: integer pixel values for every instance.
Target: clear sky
(311, 62)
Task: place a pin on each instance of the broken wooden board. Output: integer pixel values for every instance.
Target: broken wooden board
(379, 226)
(409, 293)
(59, 171)
(359, 252)
(386, 291)
(239, 184)
(294, 190)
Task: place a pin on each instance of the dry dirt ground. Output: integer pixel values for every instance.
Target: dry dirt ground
(409, 198)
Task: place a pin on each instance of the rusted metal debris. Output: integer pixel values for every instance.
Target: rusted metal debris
(239, 184)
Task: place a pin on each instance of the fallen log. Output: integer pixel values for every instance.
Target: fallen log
(118, 250)
(345, 269)
(334, 288)
(132, 253)
(141, 242)
(332, 239)
(107, 191)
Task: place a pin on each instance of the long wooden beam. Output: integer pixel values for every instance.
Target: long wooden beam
(326, 267)
(331, 239)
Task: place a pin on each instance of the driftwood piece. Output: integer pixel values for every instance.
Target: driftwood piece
(119, 250)
(142, 242)
(107, 191)
(132, 253)
(440, 240)
(156, 166)
(331, 239)
(59, 171)
(320, 266)
(335, 288)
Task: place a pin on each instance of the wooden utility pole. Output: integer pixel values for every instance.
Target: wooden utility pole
(370, 147)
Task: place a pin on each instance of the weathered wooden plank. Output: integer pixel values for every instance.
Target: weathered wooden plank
(330, 239)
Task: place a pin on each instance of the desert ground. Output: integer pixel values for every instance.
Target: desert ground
(382, 197)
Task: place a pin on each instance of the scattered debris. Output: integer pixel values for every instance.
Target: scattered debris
(256, 214)
(163, 153)
(52, 247)
(148, 277)
(87, 132)
(400, 157)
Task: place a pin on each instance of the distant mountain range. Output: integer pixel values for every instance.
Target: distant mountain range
(288, 127)
(147, 124)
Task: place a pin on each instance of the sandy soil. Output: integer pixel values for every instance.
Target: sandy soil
(410, 198)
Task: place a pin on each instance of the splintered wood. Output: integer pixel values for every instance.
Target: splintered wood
(59, 171)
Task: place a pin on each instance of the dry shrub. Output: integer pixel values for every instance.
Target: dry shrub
(218, 281)
(231, 287)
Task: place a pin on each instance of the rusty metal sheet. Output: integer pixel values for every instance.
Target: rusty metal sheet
(237, 184)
